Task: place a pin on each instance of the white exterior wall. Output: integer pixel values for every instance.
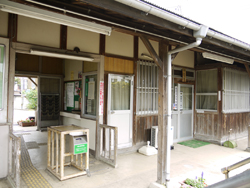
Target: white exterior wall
(120, 44)
(85, 40)
(3, 24)
(4, 148)
(72, 66)
(39, 32)
(185, 59)
(143, 49)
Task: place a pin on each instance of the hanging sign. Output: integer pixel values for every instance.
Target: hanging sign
(101, 99)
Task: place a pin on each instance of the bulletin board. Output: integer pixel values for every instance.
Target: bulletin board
(71, 97)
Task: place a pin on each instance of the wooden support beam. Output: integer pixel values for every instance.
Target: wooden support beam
(162, 114)
(102, 44)
(173, 56)
(32, 81)
(152, 52)
(12, 27)
(248, 70)
(63, 37)
(136, 48)
(219, 103)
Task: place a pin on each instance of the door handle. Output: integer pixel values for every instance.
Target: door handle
(112, 112)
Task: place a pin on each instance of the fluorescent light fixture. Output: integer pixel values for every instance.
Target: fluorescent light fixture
(217, 58)
(58, 55)
(147, 56)
(32, 12)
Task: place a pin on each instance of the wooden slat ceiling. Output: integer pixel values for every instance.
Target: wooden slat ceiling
(112, 11)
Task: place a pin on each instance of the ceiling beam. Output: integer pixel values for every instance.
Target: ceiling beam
(248, 70)
(151, 50)
(32, 81)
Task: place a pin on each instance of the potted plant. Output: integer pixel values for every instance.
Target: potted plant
(194, 183)
(27, 122)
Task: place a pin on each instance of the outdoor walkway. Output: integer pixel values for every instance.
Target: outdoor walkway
(138, 171)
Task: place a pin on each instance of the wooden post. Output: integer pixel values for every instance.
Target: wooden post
(248, 149)
(162, 111)
(57, 152)
(53, 150)
(61, 155)
(49, 142)
(219, 103)
(110, 143)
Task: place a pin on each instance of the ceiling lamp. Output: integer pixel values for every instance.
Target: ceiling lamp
(32, 12)
(217, 58)
(58, 55)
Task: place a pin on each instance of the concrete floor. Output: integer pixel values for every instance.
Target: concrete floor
(137, 170)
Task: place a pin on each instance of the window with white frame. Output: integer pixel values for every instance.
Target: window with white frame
(147, 88)
(206, 89)
(89, 95)
(236, 91)
(2, 53)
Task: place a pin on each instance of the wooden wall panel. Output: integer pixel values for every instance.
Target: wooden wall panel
(25, 62)
(143, 128)
(206, 124)
(216, 130)
(118, 65)
(234, 125)
(52, 66)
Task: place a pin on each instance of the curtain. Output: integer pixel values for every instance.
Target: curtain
(120, 94)
(206, 89)
(187, 98)
(236, 91)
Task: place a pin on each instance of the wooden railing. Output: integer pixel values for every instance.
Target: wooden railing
(14, 160)
(226, 170)
(108, 144)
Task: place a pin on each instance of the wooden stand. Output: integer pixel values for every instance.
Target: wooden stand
(55, 134)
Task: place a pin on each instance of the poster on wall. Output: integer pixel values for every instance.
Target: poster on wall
(71, 75)
(76, 87)
(181, 100)
(91, 90)
(70, 94)
(101, 97)
(175, 107)
(89, 106)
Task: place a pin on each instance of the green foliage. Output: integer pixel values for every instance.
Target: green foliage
(17, 80)
(31, 96)
(200, 183)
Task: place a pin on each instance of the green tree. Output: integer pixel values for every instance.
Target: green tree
(31, 96)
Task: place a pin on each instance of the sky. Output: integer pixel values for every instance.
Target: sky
(230, 17)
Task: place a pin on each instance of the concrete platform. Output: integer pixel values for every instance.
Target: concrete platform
(137, 170)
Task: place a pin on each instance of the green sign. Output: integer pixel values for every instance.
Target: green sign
(80, 148)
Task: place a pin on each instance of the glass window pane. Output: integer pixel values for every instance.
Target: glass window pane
(147, 87)
(236, 91)
(187, 98)
(120, 94)
(206, 89)
(2, 49)
(208, 102)
(207, 81)
(90, 95)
